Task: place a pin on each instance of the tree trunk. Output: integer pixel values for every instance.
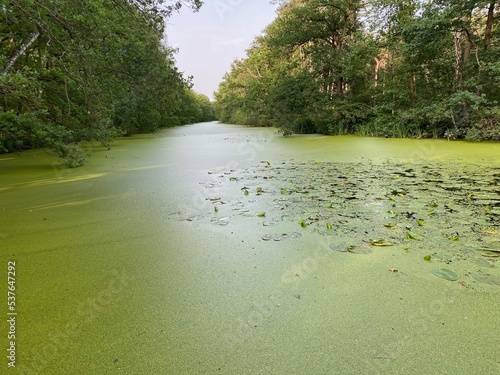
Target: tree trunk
(458, 60)
(489, 25)
(23, 49)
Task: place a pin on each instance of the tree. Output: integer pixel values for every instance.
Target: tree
(75, 71)
(381, 67)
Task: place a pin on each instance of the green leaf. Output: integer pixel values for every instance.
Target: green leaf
(303, 224)
(446, 274)
(329, 226)
(380, 243)
(216, 209)
(427, 258)
(420, 222)
(261, 214)
(414, 235)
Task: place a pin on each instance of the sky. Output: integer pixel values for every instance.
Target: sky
(210, 40)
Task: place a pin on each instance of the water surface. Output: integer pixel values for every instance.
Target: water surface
(126, 266)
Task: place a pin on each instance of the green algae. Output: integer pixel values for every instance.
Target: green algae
(215, 304)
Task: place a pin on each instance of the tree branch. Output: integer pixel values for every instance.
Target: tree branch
(23, 49)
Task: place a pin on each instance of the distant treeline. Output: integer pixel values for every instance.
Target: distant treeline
(76, 71)
(396, 68)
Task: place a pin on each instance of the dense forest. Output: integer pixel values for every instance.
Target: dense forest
(76, 71)
(394, 68)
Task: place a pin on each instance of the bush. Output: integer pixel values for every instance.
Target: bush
(485, 128)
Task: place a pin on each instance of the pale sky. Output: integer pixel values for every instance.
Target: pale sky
(209, 41)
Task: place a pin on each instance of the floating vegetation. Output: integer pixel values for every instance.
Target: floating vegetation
(223, 221)
(280, 236)
(359, 250)
(486, 278)
(414, 235)
(269, 223)
(338, 247)
(430, 209)
(420, 222)
(380, 243)
(274, 237)
(446, 274)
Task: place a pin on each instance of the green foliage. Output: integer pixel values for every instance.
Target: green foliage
(392, 68)
(75, 71)
(71, 153)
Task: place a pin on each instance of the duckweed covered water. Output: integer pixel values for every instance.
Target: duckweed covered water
(124, 266)
(449, 210)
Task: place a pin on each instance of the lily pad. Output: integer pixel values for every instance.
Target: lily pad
(486, 278)
(481, 262)
(269, 223)
(446, 274)
(380, 243)
(359, 250)
(414, 235)
(223, 221)
(338, 247)
(489, 253)
(294, 235)
(274, 237)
